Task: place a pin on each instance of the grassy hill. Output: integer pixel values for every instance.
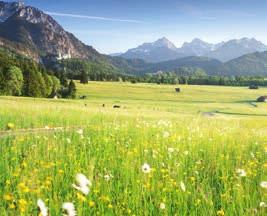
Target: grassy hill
(254, 64)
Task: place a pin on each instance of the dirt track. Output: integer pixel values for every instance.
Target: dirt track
(8, 133)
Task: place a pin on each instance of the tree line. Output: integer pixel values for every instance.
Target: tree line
(20, 76)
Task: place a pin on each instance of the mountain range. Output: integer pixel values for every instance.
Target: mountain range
(30, 32)
(164, 50)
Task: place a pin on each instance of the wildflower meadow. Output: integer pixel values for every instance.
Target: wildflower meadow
(199, 152)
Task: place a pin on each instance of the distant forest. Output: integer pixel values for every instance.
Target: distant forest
(20, 76)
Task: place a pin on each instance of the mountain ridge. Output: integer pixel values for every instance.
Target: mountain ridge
(32, 33)
(223, 51)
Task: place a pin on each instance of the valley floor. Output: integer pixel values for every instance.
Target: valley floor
(205, 149)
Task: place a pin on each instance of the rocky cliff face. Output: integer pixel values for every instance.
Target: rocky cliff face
(38, 31)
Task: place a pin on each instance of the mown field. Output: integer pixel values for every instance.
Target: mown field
(198, 152)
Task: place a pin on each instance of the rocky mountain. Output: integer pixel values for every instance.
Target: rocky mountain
(223, 51)
(160, 50)
(8, 9)
(38, 31)
(196, 47)
(236, 48)
(29, 31)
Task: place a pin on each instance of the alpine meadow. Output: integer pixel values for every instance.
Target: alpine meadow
(159, 129)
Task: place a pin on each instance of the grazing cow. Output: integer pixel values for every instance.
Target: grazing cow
(103, 105)
(83, 97)
(116, 106)
(177, 89)
(262, 99)
(253, 87)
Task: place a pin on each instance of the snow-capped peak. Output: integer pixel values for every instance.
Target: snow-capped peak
(164, 42)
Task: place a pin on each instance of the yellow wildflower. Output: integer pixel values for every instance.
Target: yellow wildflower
(8, 197)
(22, 205)
(220, 213)
(12, 206)
(81, 197)
(91, 204)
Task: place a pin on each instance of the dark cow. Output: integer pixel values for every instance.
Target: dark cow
(83, 97)
(116, 106)
(253, 87)
(262, 99)
(177, 89)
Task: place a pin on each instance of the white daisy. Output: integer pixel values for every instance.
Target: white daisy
(166, 134)
(82, 184)
(146, 168)
(80, 131)
(241, 172)
(263, 205)
(43, 211)
(68, 209)
(263, 184)
(186, 152)
(162, 206)
(182, 185)
(170, 150)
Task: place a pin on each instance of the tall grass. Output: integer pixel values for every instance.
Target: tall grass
(194, 160)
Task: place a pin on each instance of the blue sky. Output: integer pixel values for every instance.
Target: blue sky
(117, 25)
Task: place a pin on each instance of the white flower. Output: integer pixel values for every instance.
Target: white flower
(182, 185)
(263, 184)
(170, 150)
(166, 134)
(241, 172)
(108, 177)
(162, 206)
(68, 140)
(263, 205)
(80, 131)
(146, 168)
(43, 211)
(69, 209)
(82, 184)
(186, 152)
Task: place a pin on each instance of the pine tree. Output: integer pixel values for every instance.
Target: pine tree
(72, 90)
(84, 77)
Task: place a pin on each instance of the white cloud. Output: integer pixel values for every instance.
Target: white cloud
(93, 17)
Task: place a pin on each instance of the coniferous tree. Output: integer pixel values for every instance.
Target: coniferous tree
(84, 77)
(72, 90)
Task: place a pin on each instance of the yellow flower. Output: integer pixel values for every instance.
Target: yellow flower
(22, 205)
(23, 188)
(60, 171)
(8, 197)
(12, 206)
(220, 213)
(110, 206)
(10, 126)
(105, 198)
(192, 178)
(24, 164)
(91, 204)
(81, 197)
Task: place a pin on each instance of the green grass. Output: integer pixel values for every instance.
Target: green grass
(174, 133)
